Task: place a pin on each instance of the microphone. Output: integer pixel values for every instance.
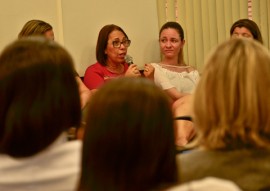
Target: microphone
(128, 59)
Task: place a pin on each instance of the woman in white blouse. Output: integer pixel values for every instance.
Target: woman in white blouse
(172, 73)
(176, 78)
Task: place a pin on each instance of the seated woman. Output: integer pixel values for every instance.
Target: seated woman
(176, 78)
(246, 28)
(35, 73)
(111, 51)
(172, 73)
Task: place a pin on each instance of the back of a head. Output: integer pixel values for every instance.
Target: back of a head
(128, 141)
(34, 28)
(39, 96)
(250, 25)
(231, 103)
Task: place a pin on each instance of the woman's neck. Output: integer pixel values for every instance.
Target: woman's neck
(173, 61)
(115, 68)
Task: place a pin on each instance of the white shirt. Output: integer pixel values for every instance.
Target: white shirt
(184, 82)
(207, 184)
(55, 169)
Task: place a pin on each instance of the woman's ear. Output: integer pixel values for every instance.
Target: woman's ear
(183, 43)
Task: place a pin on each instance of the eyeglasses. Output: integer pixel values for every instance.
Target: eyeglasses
(117, 43)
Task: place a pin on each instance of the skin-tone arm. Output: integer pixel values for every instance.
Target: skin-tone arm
(175, 94)
(184, 130)
(85, 93)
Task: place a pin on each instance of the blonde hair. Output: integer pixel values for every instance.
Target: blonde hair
(231, 102)
(35, 27)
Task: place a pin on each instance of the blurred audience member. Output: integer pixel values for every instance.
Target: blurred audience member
(37, 28)
(246, 28)
(128, 142)
(231, 114)
(35, 73)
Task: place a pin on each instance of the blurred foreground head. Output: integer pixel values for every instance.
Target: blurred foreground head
(232, 102)
(39, 96)
(128, 141)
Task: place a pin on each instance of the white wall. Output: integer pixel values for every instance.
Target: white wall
(15, 13)
(77, 23)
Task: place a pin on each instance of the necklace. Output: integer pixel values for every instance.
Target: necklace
(117, 69)
(175, 66)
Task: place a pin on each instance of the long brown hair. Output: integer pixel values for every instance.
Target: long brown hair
(129, 139)
(39, 96)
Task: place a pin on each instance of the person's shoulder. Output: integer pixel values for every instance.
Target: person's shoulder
(206, 184)
(190, 68)
(157, 66)
(154, 64)
(187, 158)
(73, 146)
(96, 67)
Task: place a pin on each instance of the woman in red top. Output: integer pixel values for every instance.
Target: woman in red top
(111, 50)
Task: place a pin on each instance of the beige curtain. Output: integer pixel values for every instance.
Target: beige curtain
(207, 22)
(261, 15)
